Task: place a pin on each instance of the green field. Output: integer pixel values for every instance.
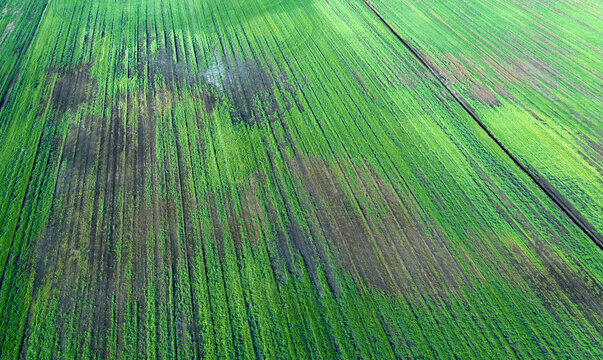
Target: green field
(301, 179)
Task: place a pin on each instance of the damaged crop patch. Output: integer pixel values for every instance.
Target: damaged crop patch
(103, 160)
(72, 88)
(245, 87)
(250, 89)
(460, 72)
(378, 238)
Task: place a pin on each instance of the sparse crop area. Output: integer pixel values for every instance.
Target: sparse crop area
(301, 179)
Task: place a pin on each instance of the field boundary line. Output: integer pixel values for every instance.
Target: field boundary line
(552, 192)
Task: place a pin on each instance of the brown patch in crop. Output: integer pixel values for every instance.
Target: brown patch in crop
(209, 101)
(62, 257)
(250, 88)
(597, 150)
(400, 78)
(360, 81)
(546, 273)
(78, 144)
(175, 71)
(369, 231)
(72, 88)
(218, 233)
(525, 71)
(484, 95)
(343, 226)
(550, 276)
(100, 200)
(457, 72)
(239, 81)
(251, 209)
(458, 68)
(373, 232)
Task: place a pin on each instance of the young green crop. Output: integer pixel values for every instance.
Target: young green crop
(231, 180)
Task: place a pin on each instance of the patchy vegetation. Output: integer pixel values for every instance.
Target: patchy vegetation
(226, 179)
